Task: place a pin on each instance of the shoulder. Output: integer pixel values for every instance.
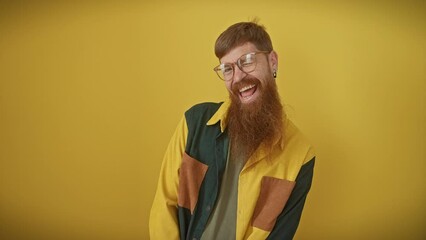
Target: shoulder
(296, 152)
(297, 144)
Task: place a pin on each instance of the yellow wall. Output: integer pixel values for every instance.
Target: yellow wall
(91, 92)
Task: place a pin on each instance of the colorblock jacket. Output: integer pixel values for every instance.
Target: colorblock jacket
(272, 186)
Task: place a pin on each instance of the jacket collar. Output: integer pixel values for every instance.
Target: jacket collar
(220, 115)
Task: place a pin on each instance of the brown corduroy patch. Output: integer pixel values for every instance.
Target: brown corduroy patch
(191, 176)
(274, 194)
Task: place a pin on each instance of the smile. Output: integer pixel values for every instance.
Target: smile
(247, 92)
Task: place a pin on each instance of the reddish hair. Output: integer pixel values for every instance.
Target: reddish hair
(241, 33)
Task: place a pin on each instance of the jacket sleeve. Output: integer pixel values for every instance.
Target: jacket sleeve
(288, 220)
(163, 221)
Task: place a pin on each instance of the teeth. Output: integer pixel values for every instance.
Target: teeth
(247, 88)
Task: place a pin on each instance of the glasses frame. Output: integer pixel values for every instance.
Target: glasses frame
(238, 64)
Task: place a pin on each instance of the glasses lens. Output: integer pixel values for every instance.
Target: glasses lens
(224, 71)
(247, 63)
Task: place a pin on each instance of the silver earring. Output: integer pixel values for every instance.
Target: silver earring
(274, 74)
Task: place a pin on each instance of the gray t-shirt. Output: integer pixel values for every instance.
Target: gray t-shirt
(223, 221)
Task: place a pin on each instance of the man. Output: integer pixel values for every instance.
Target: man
(238, 169)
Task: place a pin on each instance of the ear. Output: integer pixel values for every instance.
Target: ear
(273, 60)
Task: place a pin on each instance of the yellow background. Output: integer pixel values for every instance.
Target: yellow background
(90, 94)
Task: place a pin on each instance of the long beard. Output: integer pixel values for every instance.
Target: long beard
(260, 121)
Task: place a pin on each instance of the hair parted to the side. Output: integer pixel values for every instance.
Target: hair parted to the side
(241, 33)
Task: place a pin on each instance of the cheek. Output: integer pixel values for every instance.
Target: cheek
(228, 85)
(261, 76)
(267, 70)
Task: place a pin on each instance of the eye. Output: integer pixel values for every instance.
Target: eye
(248, 60)
(227, 69)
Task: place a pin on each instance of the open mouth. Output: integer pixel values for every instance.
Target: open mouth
(247, 92)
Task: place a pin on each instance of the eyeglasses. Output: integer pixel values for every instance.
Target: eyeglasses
(246, 63)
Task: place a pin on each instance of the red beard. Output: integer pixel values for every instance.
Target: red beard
(260, 121)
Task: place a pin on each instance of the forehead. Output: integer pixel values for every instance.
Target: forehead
(237, 52)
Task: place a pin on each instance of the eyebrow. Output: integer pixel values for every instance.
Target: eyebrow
(245, 54)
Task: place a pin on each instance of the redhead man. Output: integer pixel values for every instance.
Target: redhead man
(239, 169)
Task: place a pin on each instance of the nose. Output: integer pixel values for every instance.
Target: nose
(238, 74)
